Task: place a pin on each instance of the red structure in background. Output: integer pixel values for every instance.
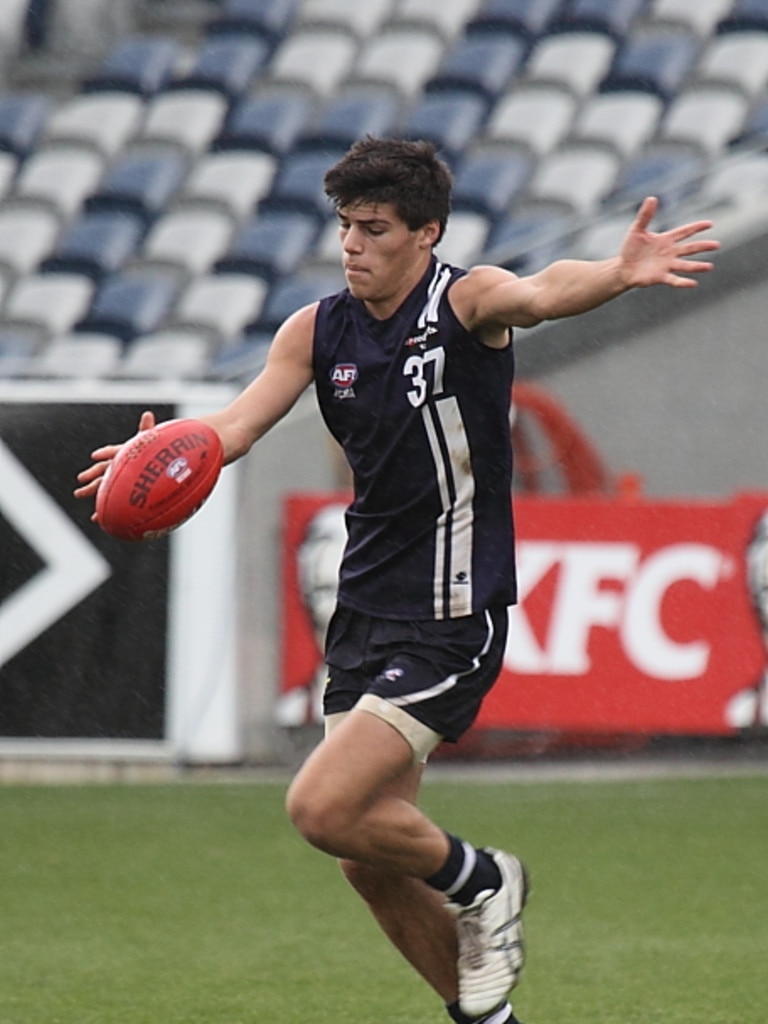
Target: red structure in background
(635, 616)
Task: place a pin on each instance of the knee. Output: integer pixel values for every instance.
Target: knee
(317, 820)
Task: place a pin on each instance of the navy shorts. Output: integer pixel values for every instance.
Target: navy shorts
(438, 672)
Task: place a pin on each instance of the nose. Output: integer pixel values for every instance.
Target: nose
(352, 239)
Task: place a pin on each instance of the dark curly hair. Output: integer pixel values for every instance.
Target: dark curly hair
(408, 174)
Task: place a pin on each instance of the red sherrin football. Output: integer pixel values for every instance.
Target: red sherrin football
(158, 479)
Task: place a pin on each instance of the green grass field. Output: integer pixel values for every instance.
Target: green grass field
(197, 904)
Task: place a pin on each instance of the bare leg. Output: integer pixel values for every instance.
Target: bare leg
(355, 798)
(415, 920)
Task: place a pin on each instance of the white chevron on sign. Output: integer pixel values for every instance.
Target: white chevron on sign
(73, 566)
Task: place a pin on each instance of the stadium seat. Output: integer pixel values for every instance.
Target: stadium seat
(738, 59)
(186, 118)
(17, 353)
(701, 16)
(233, 181)
(141, 183)
(602, 239)
(26, 236)
(744, 15)
(165, 355)
(754, 131)
(48, 303)
(219, 304)
(536, 117)
(450, 120)
(269, 121)
(360, 19)
(60, 178)
(484, 62)
(271, 244)
(82, 356)
(241, 360)
(266, 19)
(671, 172)
(530, 18)
(580, 176)
(298, 184)
(576, 61)
(705, 116)
(318, 59)
(614, 18)
(529, 236)
(188, 240)
(739, 180)
(448, 17)
(228, 64)
(623, 120)
(489, 180)
(291, 293)
(653, 59)
(143, 65)
(130, 303)
(401, 58)
(464, 238)
(349, 115)
(104, 120)
(8, 166)
(96, 244)
(23, 117)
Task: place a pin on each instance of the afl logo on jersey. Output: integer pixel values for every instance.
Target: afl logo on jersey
(343, 377)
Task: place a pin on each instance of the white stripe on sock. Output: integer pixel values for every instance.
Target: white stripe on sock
(470, 860)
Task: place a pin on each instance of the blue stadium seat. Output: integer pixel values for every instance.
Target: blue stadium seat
(530, 18)
(142, 65)
(351, 114)
(130, 303)
(483, 62)
(269, 121)
(17, 351)
(227, 63)
(654, 60)
(22, 120)
(670, 172)
(96, 244)
(291, 293)
(140, 183)
(450, 120)
(298, 184)
(241, 360)
(270, 244)
(489, 181)
(268, 19)
(614, 17)
(754, 132)
(745, 15)
(528, 237)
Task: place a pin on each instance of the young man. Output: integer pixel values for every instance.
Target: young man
(413, 368)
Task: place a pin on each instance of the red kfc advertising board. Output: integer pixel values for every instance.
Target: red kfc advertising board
(636, 617)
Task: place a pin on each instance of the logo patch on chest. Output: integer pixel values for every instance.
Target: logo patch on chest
(343, 377)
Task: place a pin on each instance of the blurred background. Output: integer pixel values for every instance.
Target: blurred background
(161, 212)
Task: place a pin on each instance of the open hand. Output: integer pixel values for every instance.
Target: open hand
(650, 258)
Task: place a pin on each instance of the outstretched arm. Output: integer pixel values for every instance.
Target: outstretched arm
(286, 374)
(491, 296)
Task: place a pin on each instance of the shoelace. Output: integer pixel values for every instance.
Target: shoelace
(471, 940)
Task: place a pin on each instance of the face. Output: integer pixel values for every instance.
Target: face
(382, 258)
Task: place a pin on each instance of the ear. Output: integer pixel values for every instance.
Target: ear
(430, 234)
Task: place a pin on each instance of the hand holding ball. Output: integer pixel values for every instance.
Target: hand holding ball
(158, 479)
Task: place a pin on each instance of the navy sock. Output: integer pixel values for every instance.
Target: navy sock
(501, 1015)
(466, 873)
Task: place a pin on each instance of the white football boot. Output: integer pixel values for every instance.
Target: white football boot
(490, 932)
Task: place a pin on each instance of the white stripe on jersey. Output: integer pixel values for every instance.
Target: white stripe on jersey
(456, 484)
(447, 684)
(437, 286)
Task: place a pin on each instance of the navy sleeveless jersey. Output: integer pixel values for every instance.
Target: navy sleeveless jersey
(421, 408)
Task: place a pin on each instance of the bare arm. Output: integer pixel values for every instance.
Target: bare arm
(286, 374)
(490, 296)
